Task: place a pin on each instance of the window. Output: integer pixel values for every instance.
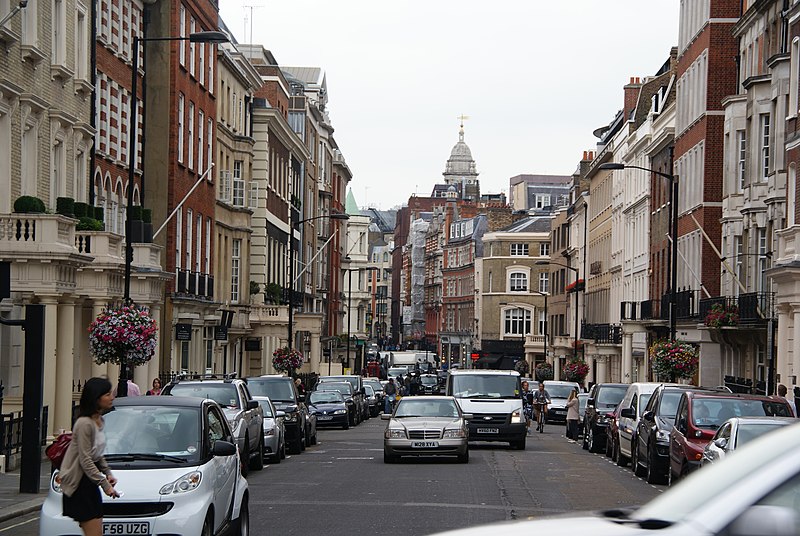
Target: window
(30, 25)
(189, 230)
(81, 44)
(517, 322)
(211, 55)
(180, 126)
(764, 146)
(209, 340)
(762, 259)
(518, 282)
(741, 142)
(253, 195)
(542, 323)
(201, 71)
(182, 49)
(238, 184)
(178, 237)
(519, 250)
(191, 46)
(59, 30)
(199, 253)
(544, 249)
(542, 201)
(191, 135)
(794, 74)
(209, 145)
(236, 255)
(201, 121)
(544, 282)
(208, 251)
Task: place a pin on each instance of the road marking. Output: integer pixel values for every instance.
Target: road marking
(18, 525)
(358, 458)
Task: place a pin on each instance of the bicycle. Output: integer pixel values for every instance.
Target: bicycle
(541, 408)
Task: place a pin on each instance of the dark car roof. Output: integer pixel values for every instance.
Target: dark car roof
(723, 394)
(166, 400)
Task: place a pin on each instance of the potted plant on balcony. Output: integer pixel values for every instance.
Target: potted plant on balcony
(674, 359)
(125, 336)
(722, 315)
(287, 360)
(575, 371)
(544, 371)
(273, 293)
(28, 204)
(65, 206)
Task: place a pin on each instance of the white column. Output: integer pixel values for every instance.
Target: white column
(627, 357)
(154, 366)
(783, 361)
(796, 339)
(556, 368)
(98, 370)
(65, 354)
(602, 369)
(50, 344)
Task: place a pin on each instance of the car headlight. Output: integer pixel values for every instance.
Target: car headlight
(290, 417)
(456, 433)
(187, 482)
(340, 412)
(602, 419)
(393, 433)
(269, 432)
(55, 482)
(662, 435)
(516, 417)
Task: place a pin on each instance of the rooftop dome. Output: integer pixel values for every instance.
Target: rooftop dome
(460, 161)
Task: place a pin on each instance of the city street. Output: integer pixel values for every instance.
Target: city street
(341, 486)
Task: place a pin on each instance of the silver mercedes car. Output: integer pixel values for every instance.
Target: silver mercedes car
(425, 426)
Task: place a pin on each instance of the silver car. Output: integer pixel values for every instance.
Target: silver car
(424, 426)
(274, 431)
(737, 431)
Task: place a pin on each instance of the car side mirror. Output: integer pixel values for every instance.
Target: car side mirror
(590, 402)
(628, 413)
(649, 416)
(386, 416)
(280, 414)
(721, 442)
(467, 416)
(223, 448)
(765, 520)
(252, 404)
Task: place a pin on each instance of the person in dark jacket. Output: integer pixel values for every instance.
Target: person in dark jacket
(391, 395)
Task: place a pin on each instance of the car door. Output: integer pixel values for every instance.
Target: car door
(255, 418)
(224, 468)
(677, 436)
(625, 431)
(646, 427)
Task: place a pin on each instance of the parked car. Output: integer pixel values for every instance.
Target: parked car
(330, 409)
(582, 398)
(377, 385)
(283, 393)
(739, 431)
(429, 384)
(346, 390)
(753, 492)
(612, 431)
(358, 391)
(559, 393)
(700, 414)
(424, 426)
(630, 411)
(650, 456)
(274, 430)
(244, 414)
(373, 403)
(177, 464)
(603, 398)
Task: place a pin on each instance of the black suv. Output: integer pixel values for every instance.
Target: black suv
(283, 393)
(650, 457)
(244, 415)
(603, 399)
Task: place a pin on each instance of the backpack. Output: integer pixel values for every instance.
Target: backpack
(58, 449)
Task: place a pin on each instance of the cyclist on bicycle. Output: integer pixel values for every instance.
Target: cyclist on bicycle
(541, 398)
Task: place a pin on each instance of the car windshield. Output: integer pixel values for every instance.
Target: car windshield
(749, 431)
(429, 380)
(610, 395)
(277, 390)
(426, 408)
(344, 388)
(489, 386)
(669, 405)
(710, 412)
(156, 430)
(267, 408)
(352, 380)
(559, 391)
(223, 394)
(326, 397)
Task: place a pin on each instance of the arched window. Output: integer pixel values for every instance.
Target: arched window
(517, 322)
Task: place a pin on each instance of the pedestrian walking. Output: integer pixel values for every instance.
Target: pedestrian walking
(573, 416)
(527, 405)
(782, 392)
(133, 389)
(391, 394)
(156, 390)
(301, 389)
(84, 469)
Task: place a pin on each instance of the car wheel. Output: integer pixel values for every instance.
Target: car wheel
(244, 460)
(346, 425)
(241, 525)
(283, 448)
(389, 458)
(585, 443)
(257, 461)
(276, 458)
(303, 442)
(638, 470)
(519, 444)
(591, 441)
(463, 458)
(208, 526)
(652, 475)
(314, 437)
(609, 447)
(622, 460)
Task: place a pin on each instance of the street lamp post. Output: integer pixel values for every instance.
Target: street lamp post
(575, 290)
(213, 37)
(673, 202)
(349, 298)
(333, 216)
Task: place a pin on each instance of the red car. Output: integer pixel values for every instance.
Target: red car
(612, 433)
(699, 416)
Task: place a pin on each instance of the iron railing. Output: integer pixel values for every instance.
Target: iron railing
(752, 307)
(602, 333)
(11, 431)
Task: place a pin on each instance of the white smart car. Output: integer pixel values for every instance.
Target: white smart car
(177, 469)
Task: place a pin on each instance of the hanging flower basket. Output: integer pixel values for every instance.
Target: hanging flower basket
(721, 315)
(575, 371)
(522, 367)
(286, 359)
(544, 372)
(127, 335)
(674, 359)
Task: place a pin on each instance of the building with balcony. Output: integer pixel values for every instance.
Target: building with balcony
(358, 282)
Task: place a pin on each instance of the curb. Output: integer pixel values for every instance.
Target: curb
(20, 509)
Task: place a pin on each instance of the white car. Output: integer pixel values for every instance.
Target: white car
(274, 430)
(751, 492)
(177, 469)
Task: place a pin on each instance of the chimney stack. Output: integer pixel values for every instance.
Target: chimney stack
(631, 90)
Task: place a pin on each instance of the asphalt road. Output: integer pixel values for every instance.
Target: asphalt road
(342, 487)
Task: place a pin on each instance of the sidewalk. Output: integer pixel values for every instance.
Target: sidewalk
(15, 504)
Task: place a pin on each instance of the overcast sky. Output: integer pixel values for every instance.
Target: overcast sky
(535, 78)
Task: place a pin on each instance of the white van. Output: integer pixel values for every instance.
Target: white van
(493, 399)
(630, 411)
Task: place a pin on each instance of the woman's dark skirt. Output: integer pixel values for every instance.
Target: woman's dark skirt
(85, 504)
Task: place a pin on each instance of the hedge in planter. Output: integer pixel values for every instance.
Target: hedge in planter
(28, 204)
(65, 206)
(90, 224)
(82, 210)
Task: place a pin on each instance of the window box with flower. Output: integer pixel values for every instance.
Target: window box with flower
(722, 315)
